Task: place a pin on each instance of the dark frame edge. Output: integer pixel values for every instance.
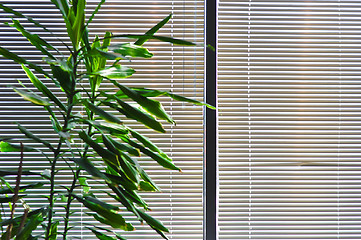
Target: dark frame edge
(210, 129)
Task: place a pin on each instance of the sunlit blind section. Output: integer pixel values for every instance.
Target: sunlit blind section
(173, 68)
(289, 119)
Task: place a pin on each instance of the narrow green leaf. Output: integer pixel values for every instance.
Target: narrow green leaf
(101, 203)
(108, 55)
(147, 179)
(122, 181)
(90, 168)
(108, 156)
(19, 14)
(151, 106)
(116, 72)
(15, 172)
(54, 231)
(78, 23)
(131, 50)
(94, 12)
(34, 137)
(125, 148)
(184, 99)
(134, 113)
(100, 235)
(128, 169)
(34, 39)
(126, 227)
(103, 209)
(39, 85)
(152, 221)
(32, 223)
(103, 114)
(146, 186)
(63, 78)
(123, 200)
(111, 128)
(158, 158)
(160, 38)
(9, 55)
(32, 97)
(146, 142)
(153, 30)
(29, 186)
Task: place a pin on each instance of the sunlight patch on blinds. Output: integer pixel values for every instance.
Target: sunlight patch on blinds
(173, 68)
(289, 119)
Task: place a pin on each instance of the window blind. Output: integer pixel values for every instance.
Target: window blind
(289, 119)
(175, 68)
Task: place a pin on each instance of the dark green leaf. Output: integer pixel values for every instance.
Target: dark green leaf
(19, 14)
(90, 168)
(184, 99)
(146, 186)
(100, 235)
(9, 55)
(9, 199)
(103, 114)
(122, 147)
(101, 203)
(146, 142)
(147, 179)
(160, 38)
(128, 169)
(117, 71)
(152, 221)
(163, 161)
(32, 97)
(104, 153)
(123, 200)
(29, 186)
(122, 181)
(151, 106)
(39, 85)
(63, 78)
(131, 50)
(103, 209)
(15, 172)
(111, 128)
(34, 39)
(153, 30)
(35, 138)
(134, 113)
(78, 23)
(32, 223)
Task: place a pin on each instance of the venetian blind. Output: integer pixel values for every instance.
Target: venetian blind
(289, 119)
(175, 68)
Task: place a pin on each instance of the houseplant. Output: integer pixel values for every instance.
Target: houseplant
(85, 139)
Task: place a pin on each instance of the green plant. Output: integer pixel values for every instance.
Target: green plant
(85, 139)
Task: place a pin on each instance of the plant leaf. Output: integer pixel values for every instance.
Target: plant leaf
(151, 106)
(29, 186)
(94, 12)
(189, 100)
(103, 114)
(32, 97)
(111, 128)
(160, 38)
(35, 138)
(100, 235)
(63, 78)
(115, 72)
(32, 224)
(153, 30)
(158, 158)
(34, 39)
(39, 85)
(104, 153)
(134, 113)
(154, 223)
(90, 168)
(132, 50)
(9, 55)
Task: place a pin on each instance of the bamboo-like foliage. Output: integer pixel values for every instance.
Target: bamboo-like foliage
(103, 134)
